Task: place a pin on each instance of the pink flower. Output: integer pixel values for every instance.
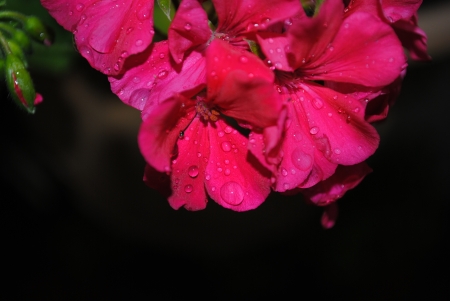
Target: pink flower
(191, 135)
(402, 16)
(326, 128)
(106, 32)
(179, 64)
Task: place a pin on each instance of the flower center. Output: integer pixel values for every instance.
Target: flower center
(205, 112)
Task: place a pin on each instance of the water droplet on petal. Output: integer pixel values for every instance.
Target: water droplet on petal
(208, 177)
(317, 103)
(228, 129)
(301, 160)
(136, 79)
(187, 26)
(163, 74)
(79, 7)
(188, 188)
(193, 171)
(232, 193)
(139, 43)
(243, 59)
(284, 172)
(337, 151)
(227, 172)
(286, 186)
(314, 130)
(226, 146)
(161, 55)
(129, 29)
(220, 134)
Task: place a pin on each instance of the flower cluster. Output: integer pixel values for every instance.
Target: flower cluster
(252, 96)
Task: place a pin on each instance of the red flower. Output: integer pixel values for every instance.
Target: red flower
(106, 32)
(191, 135)
(326, 128)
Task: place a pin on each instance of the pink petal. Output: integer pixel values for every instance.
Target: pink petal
(241, 85)
(188, 168)
(160, 131)
(339, 118)
(309, 37)
(106, 32)
(413, 38)
(334, 188)
(302, 159)
(188, 29)
(151, 77)
(369, 55)
(329, 216)
(240, 16)
(234, 178)
(395, 10)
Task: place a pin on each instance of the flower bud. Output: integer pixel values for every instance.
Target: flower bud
(17, 51)
(19, 83)
(37, 30)
(22, 40)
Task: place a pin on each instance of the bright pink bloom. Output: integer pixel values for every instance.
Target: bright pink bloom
(192, 136)
(106, 32)
(326, 128)
(402, 16)
(237, 20)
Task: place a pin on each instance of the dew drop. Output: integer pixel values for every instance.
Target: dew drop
(314, 130)
(226, 146)
(286, 186)
(284, 172)
(139, 43)
(337, 151)
(161, 55)
(136, 79)
(228, 129)
(193, 171)
(129, 29)
(163, 74)
(79, 7)
(70, 13)
(187, 26)
(220, 134)
(243, 59)
(208, 177)
(116, 66)
(188, 188)
(317, 103)
(227, 172)
(301, 160)
(232, 193)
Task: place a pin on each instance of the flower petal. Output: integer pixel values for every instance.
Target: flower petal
(241, 85)
(188, 168)
(369, 55)
(106, 32)
(235, 179)
(188, 29)
(160, 131)
(151, 77)
(334, 188)
(241, 16)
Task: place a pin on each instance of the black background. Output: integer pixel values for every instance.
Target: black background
(78, 222)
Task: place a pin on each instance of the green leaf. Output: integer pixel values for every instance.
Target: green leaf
(167, 7)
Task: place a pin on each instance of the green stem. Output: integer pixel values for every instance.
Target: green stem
(4, 45)
(11, 15)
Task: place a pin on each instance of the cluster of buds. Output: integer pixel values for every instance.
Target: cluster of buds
(17, 32)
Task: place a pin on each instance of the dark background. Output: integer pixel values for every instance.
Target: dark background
(77, 222)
